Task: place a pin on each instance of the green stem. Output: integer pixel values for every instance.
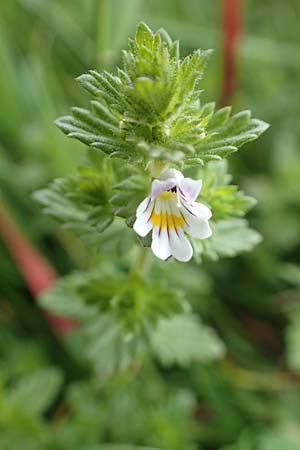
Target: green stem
(144, 261)
(141, 262)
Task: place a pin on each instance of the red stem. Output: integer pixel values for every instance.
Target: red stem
(232, 30)
(37, 272)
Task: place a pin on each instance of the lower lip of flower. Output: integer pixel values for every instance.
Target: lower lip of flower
(167, 221)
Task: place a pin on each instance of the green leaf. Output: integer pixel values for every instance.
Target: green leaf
(65, 300)
(229, 238)
(109, 348)
(225, 135)
(183, 339)
(151, 109)
(117, 313)
(284, 436)
(80, 202)
(129, 193)
(290, 273)
(36, 392)
(224, 199)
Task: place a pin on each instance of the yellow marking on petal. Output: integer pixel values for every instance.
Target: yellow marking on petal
(167, 195)
(164, 221)
(167, 221)
(179, 221)
(155, 219)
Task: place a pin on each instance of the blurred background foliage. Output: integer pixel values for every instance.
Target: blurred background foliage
(50, 396)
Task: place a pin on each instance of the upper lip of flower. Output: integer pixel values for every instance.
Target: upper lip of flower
(171, 210)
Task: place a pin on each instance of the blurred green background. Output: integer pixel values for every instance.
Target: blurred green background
(251, 399)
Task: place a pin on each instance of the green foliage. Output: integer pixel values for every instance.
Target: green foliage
(148, 413)
(122, 320)
(134, 301)
(22, 406)
(293, 338)
(129, 193)
(230, 237)
(23, 423)
(223, 198)
(283, 437)
(123, 447)
(150, 110)
(35, 392)
(150, 115)
(249, 400)
(81, 202)
(231, 234)
(194, 341)
(87, 203)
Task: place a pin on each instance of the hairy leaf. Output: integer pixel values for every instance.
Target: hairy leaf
(35, 392)
(230, 237)
(183, 339)
(224, 199)
(80, 202)
(151, 109)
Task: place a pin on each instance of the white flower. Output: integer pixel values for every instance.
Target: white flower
(171, 211)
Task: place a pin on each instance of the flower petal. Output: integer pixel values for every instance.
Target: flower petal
(159, 186)
(196, 209)
(143, 224)
(197, 226)
(171, 173)
(160, 243)
(180, 247)
(190, 188)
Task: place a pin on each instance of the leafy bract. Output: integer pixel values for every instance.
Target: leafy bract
(35, 392)
(129, 193)
(184, 339)
(80, 202)
(118, 314)
(151, 109)
(229, 238)
(231, 234)
(224, 199)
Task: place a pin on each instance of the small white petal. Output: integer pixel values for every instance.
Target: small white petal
(190, 188)
(142, 227)
(159, 186)
(196, 226)
(143, 206)
(196, 209)
(160, 243)
(143, 224)
(181, 248)
(171, 173)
